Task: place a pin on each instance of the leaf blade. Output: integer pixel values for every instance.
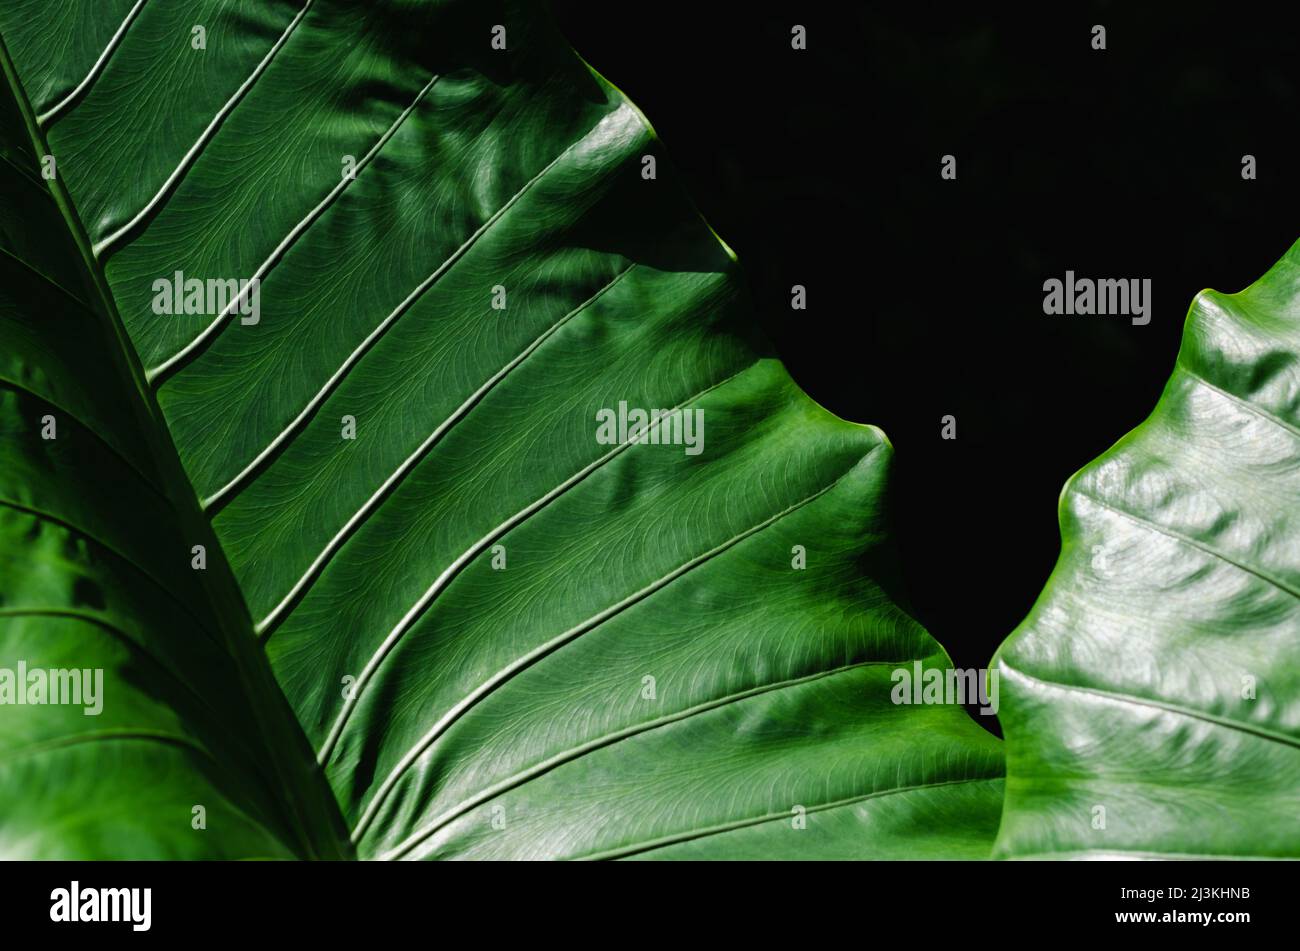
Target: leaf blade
(1177, 580)
(373, 558)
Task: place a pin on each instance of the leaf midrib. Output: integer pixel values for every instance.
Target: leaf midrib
(305, 799)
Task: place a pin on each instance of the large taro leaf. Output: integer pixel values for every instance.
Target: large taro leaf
(1151, 700)
(502, 636)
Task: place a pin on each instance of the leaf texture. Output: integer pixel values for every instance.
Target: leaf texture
(1151, 700)
(501, 636)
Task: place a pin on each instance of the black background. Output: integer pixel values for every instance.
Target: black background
(821, 167)
(343, 905)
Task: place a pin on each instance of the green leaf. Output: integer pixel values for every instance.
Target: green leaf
(177, 723)
(500, 635)
(1151, 700)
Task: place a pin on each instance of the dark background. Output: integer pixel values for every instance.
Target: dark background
(821, 168)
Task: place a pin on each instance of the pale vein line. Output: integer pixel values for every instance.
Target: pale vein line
(1188, 541)
(1227, 723)
(432, 278)
(1245, 404)
(664, 841)
(104, 246)
(537, 653)
(401, 308)
(222, 495)
(532, 772)
(282, 248)
(402, 470)
(52, 115)
(469, 554)
(382, 328)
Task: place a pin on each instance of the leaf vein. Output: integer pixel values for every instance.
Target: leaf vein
(181, 358)
(510, 671)
(1188, 541)
(107, 245)
(610, 739)
(398, 475)
(1226, 723)
(639, 848)
(56, 112)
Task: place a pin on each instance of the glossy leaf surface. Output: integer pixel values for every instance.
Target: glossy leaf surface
(501, 634)
(1151, 700)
